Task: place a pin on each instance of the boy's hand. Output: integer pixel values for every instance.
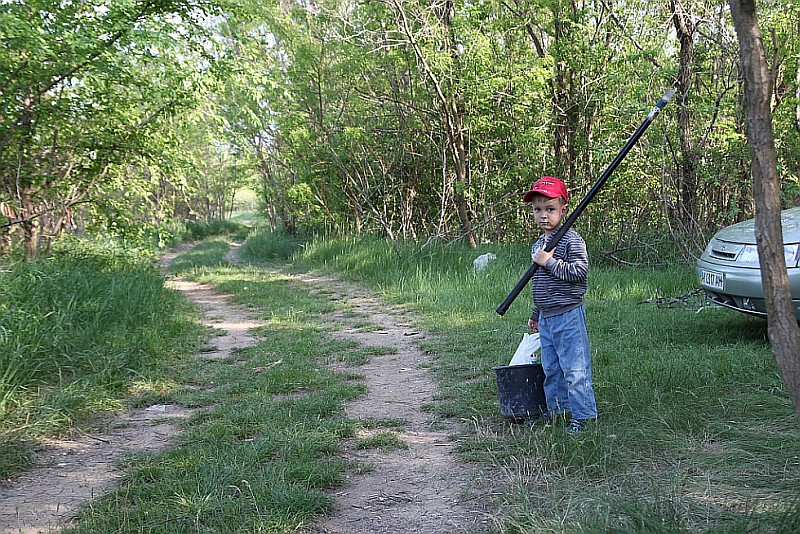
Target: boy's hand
(542, 257)
(533, 325)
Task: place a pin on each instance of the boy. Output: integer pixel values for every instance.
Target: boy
(558, 315)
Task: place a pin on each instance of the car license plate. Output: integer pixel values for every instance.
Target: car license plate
(712, 279)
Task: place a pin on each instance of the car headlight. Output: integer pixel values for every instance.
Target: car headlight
(709, 247)
(749, 255)
(791, 251)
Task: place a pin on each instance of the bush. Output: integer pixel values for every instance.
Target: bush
(196, 230)
(264, 245)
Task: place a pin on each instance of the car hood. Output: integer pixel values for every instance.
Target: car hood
(745, 231)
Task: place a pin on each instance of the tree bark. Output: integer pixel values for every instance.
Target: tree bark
(564, 128)
(783, 330)
(451, 111)
(688, 169)
(30, 225)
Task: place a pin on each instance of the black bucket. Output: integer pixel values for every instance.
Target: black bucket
(520, 389)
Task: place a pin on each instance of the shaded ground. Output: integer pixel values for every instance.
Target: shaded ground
(421, 489)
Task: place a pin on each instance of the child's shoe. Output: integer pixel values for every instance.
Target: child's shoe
(576, 426)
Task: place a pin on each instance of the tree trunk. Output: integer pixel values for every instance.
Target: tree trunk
(29, 224)
(565, 125)
(454, 124)
(688, 169)
(460, 158)
(450, 106)
(784, 333)
(797, 87)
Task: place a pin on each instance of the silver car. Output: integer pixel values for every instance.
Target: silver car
(728, 269)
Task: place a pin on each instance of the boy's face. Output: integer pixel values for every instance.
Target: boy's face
(548, 212)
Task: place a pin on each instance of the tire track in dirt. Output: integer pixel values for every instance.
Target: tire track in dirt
(421, 489)
(70, 472)
(424, 488)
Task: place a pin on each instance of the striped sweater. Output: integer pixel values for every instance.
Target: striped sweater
(559, 286)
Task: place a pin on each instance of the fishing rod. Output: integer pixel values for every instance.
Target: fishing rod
(503, 308)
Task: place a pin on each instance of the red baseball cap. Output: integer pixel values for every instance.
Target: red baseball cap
(549, 187)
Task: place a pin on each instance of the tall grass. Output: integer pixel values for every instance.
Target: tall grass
(262, 454)
(266, 245)
(75, 330)
(696, 430)
(199, 230)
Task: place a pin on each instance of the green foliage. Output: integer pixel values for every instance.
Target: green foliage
(367, 141)
(118, 117)
(359, 120)
(122, 116)
(86, 94)
(265, 245)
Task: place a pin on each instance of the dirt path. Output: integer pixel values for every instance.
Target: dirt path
(70, 472)
(421, 489)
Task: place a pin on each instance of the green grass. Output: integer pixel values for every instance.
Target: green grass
(211, 253)
(77, 330)
(267, 246)
(199, 230)
(382, 423)
(262, 454)
(697, 432)
(385, 441)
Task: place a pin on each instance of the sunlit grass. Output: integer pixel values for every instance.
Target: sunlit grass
(265, 449)
(385, 441)
(77, 330)
(696, 429)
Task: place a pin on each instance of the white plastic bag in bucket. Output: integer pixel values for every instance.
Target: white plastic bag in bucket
(526, 351)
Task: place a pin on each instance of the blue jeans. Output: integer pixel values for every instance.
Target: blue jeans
(566, 364)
